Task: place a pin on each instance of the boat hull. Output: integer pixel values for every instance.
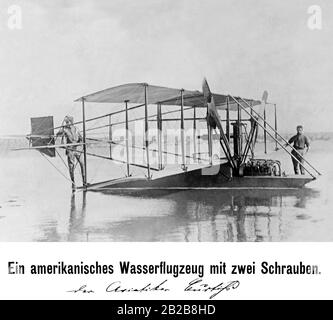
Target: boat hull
(201, 179)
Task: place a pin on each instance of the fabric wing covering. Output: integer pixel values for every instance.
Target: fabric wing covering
(135, 93)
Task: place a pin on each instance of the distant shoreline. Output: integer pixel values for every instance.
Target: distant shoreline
(314, 134)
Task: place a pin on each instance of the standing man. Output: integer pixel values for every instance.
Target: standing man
(72, 136)
(302, 145)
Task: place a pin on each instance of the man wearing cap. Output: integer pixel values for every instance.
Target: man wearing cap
(72, 136)
(301, 145)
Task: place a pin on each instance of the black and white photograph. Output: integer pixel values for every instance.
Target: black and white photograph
(166, 121)
(160, 121)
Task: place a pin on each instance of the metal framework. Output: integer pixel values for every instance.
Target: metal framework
(272, 136)
(250, 137)
(184, 102)
(84, 143)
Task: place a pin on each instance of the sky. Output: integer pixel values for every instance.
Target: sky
(66, 49)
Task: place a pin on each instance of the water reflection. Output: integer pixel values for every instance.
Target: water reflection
(214, 215)
(77, 217)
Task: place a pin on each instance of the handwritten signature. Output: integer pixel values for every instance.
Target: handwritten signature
(116, 287)
(197, 285)
(82, 289)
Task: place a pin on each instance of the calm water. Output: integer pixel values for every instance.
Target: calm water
(36, 204)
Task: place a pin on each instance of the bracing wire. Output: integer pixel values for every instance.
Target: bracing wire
(63, 161)
(56, 168)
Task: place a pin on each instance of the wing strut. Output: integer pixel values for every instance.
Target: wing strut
(280, 144)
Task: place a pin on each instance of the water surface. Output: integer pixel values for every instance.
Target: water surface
(36, 204)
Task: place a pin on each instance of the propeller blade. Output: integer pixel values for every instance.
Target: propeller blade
(264, 97)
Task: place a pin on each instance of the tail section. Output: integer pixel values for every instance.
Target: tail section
(42, 134)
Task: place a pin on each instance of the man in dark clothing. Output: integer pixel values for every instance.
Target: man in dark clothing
(72, 135)
(302, 145)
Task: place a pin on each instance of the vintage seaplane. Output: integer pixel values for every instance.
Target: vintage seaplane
(236, 167)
